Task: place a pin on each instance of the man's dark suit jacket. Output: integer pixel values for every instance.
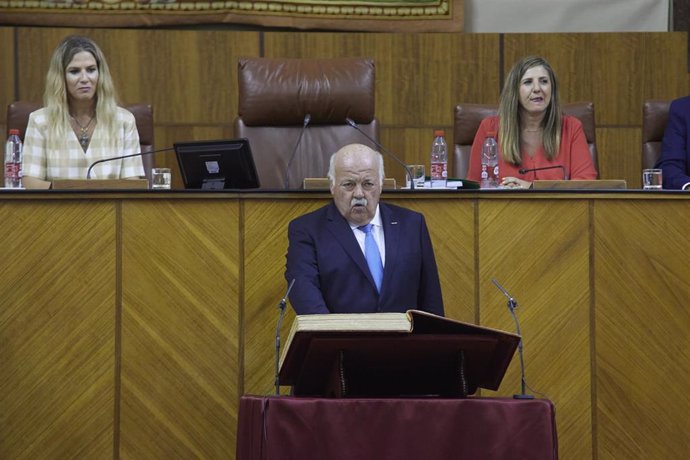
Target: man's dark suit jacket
(675, 148)
(331, 274)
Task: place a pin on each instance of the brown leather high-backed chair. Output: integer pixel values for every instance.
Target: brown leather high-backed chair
(276, 94)
(654, 119)
(18, 118)
(469, 116)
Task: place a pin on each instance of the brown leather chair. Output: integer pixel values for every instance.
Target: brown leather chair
(276, 94)
(468, 117)
(18, 117)
(654, 119)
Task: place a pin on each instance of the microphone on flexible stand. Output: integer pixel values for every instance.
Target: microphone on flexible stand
(512, 305)
(525, 170)
(281, 306)
(384, 150)
(121, 157)
(307, 119)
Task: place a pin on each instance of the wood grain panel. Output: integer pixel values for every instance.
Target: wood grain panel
(266, 242)
(547, 272)
(665, 66)
(58, 296)
(642, 323)
(618, 98)
(419, 77)
(452, 230)
(188, 76)
(191, 76)
(7, 81)
(620, 154)
(181, 363)
(36, 46)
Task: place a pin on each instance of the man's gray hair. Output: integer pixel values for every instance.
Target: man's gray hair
(331, 164)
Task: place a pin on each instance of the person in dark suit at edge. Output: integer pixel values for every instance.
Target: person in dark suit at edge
(327, 247)
(675, 147)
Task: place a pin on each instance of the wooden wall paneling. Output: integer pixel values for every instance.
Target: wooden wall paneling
(36, 46)
(191, 76)
(642, 322)
(181, 352)
(8, 81)
(419, 77)
(547, 272)
(620, 154)
(57, 329)
(665, 66)
(452, 230)
(266, 245)
(619, 97)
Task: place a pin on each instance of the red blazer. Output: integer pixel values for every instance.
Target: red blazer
(573, 155)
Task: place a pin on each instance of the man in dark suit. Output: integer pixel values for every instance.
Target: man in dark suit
(326, 252)
(675, 148)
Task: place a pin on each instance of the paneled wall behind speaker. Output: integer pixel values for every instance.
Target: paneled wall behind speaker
(190, 77)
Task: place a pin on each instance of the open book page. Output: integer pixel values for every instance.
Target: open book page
(348, 322)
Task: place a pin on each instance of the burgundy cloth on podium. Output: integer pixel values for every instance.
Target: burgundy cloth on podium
(318, 428)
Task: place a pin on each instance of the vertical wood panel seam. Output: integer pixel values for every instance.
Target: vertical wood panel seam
(241, 295)
(477, 317)
(592, 330)
(477, 311)
(117, 384)
(501, 61)
(15, 48)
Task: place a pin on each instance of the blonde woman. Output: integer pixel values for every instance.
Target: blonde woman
(80, 122)
(532, 132)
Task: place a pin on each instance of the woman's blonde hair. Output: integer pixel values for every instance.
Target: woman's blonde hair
(509, 112)
(55, 97)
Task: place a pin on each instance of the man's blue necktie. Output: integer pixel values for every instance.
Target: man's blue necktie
(373, 256)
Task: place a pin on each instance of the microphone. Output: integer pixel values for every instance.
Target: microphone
(103, 160)
(384, 150)
(307, 119)
(281, 307)
(525, 170)
(512, 305)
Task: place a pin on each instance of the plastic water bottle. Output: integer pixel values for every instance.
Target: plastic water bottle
(439, 160)
(490, 173)
(13, 160)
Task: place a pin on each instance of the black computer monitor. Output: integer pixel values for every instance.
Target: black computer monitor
(216, 165)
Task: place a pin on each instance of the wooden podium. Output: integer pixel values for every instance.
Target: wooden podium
(432, 357)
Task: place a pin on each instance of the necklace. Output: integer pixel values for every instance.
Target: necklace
(84, 136)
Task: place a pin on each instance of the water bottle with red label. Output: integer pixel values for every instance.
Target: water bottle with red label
(13, 160)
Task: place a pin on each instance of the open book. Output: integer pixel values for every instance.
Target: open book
(395, 346)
